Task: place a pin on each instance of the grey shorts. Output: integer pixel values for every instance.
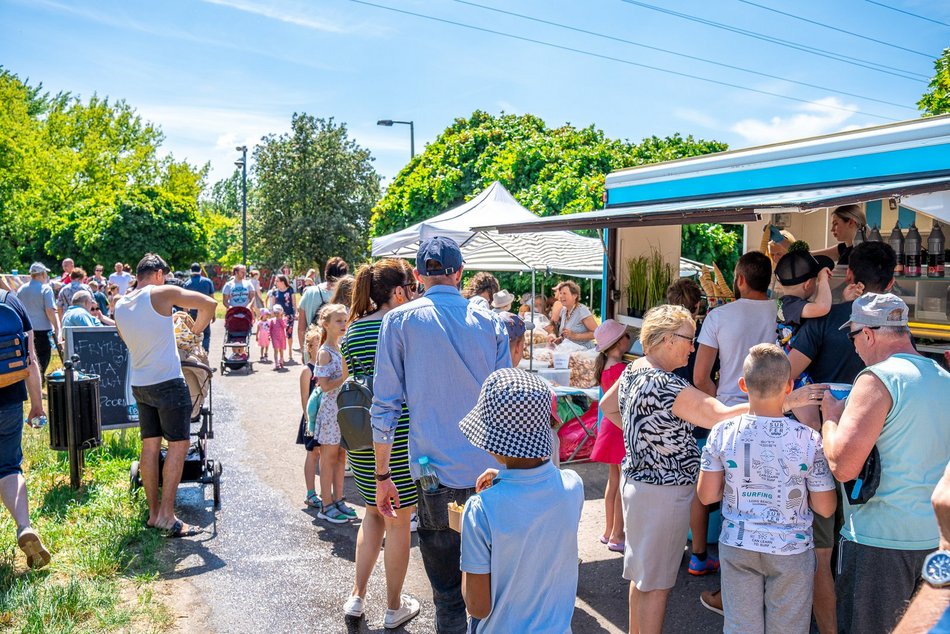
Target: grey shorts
(164, 410)
(874, 585)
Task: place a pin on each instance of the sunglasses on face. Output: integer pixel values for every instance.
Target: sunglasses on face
(854, 333)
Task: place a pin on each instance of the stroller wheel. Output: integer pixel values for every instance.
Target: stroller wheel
(216, 484)
(135, 481)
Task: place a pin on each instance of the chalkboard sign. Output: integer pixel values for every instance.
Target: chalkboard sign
(102, 352)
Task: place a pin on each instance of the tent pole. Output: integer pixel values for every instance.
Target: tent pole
(531, 345)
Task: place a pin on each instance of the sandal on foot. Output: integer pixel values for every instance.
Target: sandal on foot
(616, 547)
(180, 529)
(36, 554)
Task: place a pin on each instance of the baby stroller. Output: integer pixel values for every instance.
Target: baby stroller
(198, 467)
(236, 352)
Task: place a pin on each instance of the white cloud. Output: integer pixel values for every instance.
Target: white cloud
(275, 13)
(823, 116)
(697, 117)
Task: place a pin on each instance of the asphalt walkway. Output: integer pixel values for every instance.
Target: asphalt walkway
(268, 564)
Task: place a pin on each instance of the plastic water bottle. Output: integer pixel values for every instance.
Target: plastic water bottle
(935, 253)
(37, 422)
(427, 478)
(912, 249)
(896, 240)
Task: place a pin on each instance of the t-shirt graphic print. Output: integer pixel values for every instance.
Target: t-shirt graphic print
(770, 465)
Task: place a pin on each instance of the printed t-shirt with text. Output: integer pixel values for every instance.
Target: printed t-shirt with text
(240, 292)
(770, 466)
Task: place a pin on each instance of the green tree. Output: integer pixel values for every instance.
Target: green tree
(937, 98)
(74, 172)
(549, 171)
(314, 190)
(710, 243)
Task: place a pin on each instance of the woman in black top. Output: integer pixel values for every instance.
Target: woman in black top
(845, 222)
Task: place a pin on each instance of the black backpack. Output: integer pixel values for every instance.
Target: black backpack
(354, 402)
(14, 352)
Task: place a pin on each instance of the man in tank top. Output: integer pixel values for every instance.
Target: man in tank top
(144, 320)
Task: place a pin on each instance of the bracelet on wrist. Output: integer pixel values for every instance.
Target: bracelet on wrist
(382, 477)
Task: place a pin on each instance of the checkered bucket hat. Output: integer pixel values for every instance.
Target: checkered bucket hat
(512, 417)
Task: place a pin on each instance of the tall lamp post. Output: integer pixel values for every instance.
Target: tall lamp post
(412, 133)
(242, 163)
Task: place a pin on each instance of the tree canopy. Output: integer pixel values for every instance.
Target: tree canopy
(314, 190)
(548, 170)
(83, 179)
(937, 98)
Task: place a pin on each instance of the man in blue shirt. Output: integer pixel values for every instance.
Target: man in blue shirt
(200, 284)
(434, 354)
(84, 312)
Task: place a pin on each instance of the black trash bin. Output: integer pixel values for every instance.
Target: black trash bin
(85, 409)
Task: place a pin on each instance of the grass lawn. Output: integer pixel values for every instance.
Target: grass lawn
(103, 557)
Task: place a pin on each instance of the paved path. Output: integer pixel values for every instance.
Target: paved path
(272, 566)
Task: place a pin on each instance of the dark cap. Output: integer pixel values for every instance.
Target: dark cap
(440, 249)
(196, 268)
(796, 267)
(825, 262)
(513, 324)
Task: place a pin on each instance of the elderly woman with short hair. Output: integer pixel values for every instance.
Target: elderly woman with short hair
(571, 320)
(657, 411)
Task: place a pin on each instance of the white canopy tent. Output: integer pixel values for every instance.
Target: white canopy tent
(563, 252)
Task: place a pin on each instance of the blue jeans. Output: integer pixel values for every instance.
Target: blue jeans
(11, 438)
(441, 549)
(206, 340)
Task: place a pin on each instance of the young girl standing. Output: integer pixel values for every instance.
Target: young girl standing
(308, 382)
(278, 335)
(331, 371)
(283, 295)
(613, 340)
(263, 334)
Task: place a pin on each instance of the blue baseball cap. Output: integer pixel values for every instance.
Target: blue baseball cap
(443, 250)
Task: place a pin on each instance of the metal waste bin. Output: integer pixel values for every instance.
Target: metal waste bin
(85, 409)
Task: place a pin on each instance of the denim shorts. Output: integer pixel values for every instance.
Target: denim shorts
(11, 436)
(164, 410)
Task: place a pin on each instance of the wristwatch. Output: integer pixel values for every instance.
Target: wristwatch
(936, 570)
(382, 477)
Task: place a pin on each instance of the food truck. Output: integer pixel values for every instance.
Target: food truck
(898, 173)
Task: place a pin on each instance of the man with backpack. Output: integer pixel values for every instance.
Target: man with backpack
(19, 379)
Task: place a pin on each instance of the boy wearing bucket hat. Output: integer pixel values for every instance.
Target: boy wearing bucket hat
(519, 569)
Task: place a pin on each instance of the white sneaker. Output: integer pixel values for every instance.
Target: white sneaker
(347, 472)
(408, 609)
(353, 606)
(413, 523)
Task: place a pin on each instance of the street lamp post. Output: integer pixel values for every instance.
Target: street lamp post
(242, 163)
(412, 133)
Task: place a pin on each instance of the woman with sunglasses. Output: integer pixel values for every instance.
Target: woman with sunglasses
(380, 287)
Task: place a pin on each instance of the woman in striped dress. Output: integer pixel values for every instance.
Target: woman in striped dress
(379, 288)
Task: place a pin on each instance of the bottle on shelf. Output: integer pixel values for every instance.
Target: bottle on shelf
(896, 240)
(935, 252)
(912, 252)
(428, 480)
(859, 236)
(875, 235)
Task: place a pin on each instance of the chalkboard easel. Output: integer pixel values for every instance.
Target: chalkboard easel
(102, 352)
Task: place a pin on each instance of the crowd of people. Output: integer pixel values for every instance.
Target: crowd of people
(810, 425)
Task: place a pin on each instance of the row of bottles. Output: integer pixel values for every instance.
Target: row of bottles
(910, 263)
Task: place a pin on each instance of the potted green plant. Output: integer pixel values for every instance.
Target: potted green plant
(637, 286)
(659, 278)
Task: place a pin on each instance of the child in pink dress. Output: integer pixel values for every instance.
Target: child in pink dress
(278, 335)
(613, 341)
(263, 333)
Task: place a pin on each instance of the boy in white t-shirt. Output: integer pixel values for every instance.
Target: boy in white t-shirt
(770, 473)
(519, 531)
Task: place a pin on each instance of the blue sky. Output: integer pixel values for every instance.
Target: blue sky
(214, 74)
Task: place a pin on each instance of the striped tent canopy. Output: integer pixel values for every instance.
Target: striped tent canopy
(562, 252)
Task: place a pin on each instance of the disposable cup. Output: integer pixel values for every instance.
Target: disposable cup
(839, 390)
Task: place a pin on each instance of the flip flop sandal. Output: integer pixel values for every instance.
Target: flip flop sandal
(615, 547)
(603, 540)
(180, 529)
(36, 554)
